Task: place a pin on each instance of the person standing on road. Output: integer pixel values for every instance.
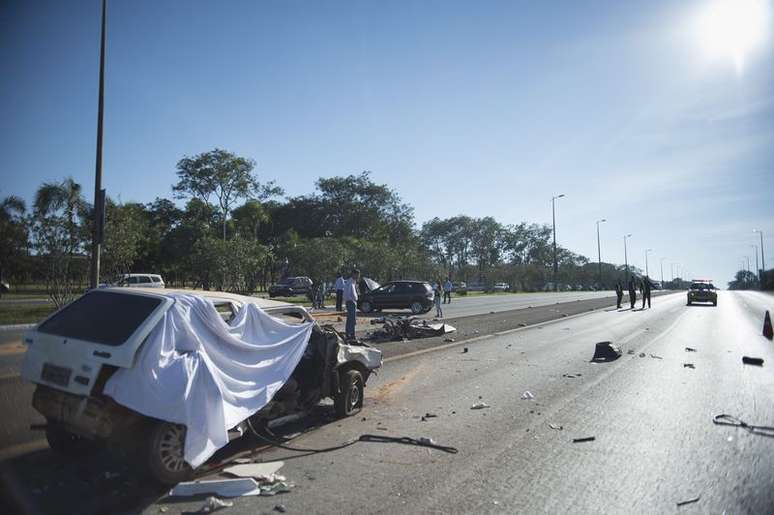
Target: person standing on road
(645, 291)
(339, 286)
(438, 288)
(350, 300)
(447, 289)
(618, 293)
(632, 292)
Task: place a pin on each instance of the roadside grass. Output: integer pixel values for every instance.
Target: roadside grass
(23, 296)
(24, 313)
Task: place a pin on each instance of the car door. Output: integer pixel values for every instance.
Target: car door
(403, 295)
(382, 297)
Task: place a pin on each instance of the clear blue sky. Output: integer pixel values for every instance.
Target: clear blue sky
(481, 108)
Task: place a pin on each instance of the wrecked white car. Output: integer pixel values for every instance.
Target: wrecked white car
(173, 375)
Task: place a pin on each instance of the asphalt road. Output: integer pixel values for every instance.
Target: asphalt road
(655, 444)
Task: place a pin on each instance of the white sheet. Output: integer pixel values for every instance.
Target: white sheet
(196, 370)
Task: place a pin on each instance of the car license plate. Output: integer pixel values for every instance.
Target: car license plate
(55, 374)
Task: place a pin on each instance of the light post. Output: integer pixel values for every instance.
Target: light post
(626, 257)
(755, 250)
(662, 271)
(646, 262)
(599, 251)
(553, 224)
(763, 261)
(99, 194)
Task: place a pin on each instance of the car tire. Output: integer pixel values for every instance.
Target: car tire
(416, 307)
(349, 400)
(689, 302)
(366, 307)
(714, 303)
(164, 454)
(66, 443)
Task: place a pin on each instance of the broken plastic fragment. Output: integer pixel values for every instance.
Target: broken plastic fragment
(223, 487)
(527, 395)
(747, 360)
(214, 504)
(557, 427)
(689, 501)
(584, 439)
(480, 405)
(688, 365)
(690, 349)
(655, 356)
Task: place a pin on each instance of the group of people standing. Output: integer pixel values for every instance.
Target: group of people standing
(443, 293)
(634, 283)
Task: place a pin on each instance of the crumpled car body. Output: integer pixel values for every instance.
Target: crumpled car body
(77, 351)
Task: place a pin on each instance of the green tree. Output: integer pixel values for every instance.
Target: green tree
(222, 175)
(13, 236)
(124, 237)
(60, 228)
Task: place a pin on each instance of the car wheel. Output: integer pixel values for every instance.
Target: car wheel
(350, 400)
(366, 307)
(714, 303)
(689, 302)
(164, 457)
(66, 443)
(416, 307)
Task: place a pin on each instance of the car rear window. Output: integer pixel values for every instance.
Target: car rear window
(101, 317)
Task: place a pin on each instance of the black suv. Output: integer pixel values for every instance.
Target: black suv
(291, 286)
(414, 295)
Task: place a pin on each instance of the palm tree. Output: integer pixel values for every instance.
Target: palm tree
(13, 231)
(66, 197)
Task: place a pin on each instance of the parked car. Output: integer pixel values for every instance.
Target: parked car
(501, 287)
(292, 286)
(73, 355)
(140, 281)
(417, 296)
(460, 287)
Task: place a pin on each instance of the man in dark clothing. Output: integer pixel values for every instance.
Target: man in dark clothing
(632, 293)
(619, 293)
(645, 291)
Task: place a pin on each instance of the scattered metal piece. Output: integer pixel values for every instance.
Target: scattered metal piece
(654, 356)
(688, 365)
(605, 352)
(464, 350)
(690, 349)
(280, 508)
(584, 439)
(747, 360)
(527, 395)
(448, 340)
(480, 405)
(260, 471)
(630, 351)
(522, 324)
(430, 415)
(558, 427)
(223, 487)
(689, 501)
(642, 354)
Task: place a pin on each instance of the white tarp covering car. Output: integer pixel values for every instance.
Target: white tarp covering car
(181, 370)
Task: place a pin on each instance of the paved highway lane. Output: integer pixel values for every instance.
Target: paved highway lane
(655, 444)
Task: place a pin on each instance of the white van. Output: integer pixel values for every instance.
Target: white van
(140, 281)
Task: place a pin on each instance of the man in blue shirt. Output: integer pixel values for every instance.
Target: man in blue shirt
(339, 287)
(350, 300)
(447, 289)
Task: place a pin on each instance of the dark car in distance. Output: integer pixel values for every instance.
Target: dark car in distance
(417, 296)
(292, 286)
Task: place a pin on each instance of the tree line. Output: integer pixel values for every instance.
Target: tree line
(235, 233)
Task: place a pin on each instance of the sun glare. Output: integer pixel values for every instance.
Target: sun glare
(732, 29)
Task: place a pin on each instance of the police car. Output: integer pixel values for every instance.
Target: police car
(702, 290)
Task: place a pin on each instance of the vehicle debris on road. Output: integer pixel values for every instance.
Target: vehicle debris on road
(690, 349)
(688, 365)
(399, 327)
(605, 352)
(480, 405)
(654, 356)
(584, 439)
(557, 427)
(527, 395)
(747, 360)
(689, 501)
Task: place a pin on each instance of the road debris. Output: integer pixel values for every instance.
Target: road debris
(241, 487)
(527, 395)
(557, 427)
(584, 439)
(690, 349)
(689, 501)
(522, 324)
(480, 405)
(258, 471)
(280, 508)
(642, 354)
(654, 356)
(605, 352)
(688, 365)
(464, 350)
(730, 420)
(448, 340)
(630, 351)
(214, 504)
(747, 360)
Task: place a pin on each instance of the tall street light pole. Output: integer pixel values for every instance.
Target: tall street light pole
(99, 195)
(647, 274)
(553, 223)
(763, 261)
(755, 247)
(662, 271)
(599, 251)
(626, 257)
